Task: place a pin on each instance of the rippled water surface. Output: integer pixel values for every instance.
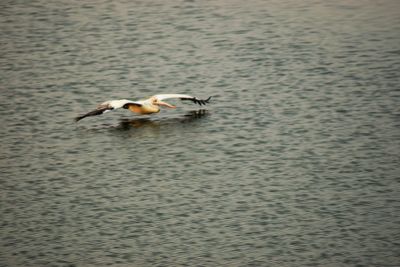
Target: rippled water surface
(295, 162)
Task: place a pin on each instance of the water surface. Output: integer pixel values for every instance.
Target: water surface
(294, 163)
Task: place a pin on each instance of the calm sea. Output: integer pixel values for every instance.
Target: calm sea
(295, 162)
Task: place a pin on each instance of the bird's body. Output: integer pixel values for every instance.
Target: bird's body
(144, 109)
(146, 106)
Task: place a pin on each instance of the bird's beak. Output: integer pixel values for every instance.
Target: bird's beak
(164, 104)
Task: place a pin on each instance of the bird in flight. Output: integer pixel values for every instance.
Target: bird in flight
(146, 106)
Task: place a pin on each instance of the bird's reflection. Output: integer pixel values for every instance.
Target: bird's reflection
(189, 117)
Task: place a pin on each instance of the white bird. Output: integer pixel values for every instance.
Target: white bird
(146, 106)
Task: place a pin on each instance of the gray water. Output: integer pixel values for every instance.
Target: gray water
(295, 162)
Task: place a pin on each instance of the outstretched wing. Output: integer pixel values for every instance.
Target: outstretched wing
(98, 111)
(107, 106)
(183, 97)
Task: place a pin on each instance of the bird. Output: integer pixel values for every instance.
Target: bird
(147, 106)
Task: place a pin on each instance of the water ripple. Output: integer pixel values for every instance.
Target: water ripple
(294, 162)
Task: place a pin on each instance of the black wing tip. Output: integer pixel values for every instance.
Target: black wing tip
(204, 101)
(76, 119)
(95, 112)
(199, 101)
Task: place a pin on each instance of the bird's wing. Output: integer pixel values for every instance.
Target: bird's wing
(98, 111)
(183, 97)
(108, 106)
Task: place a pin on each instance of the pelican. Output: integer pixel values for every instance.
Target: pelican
(146, 106)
